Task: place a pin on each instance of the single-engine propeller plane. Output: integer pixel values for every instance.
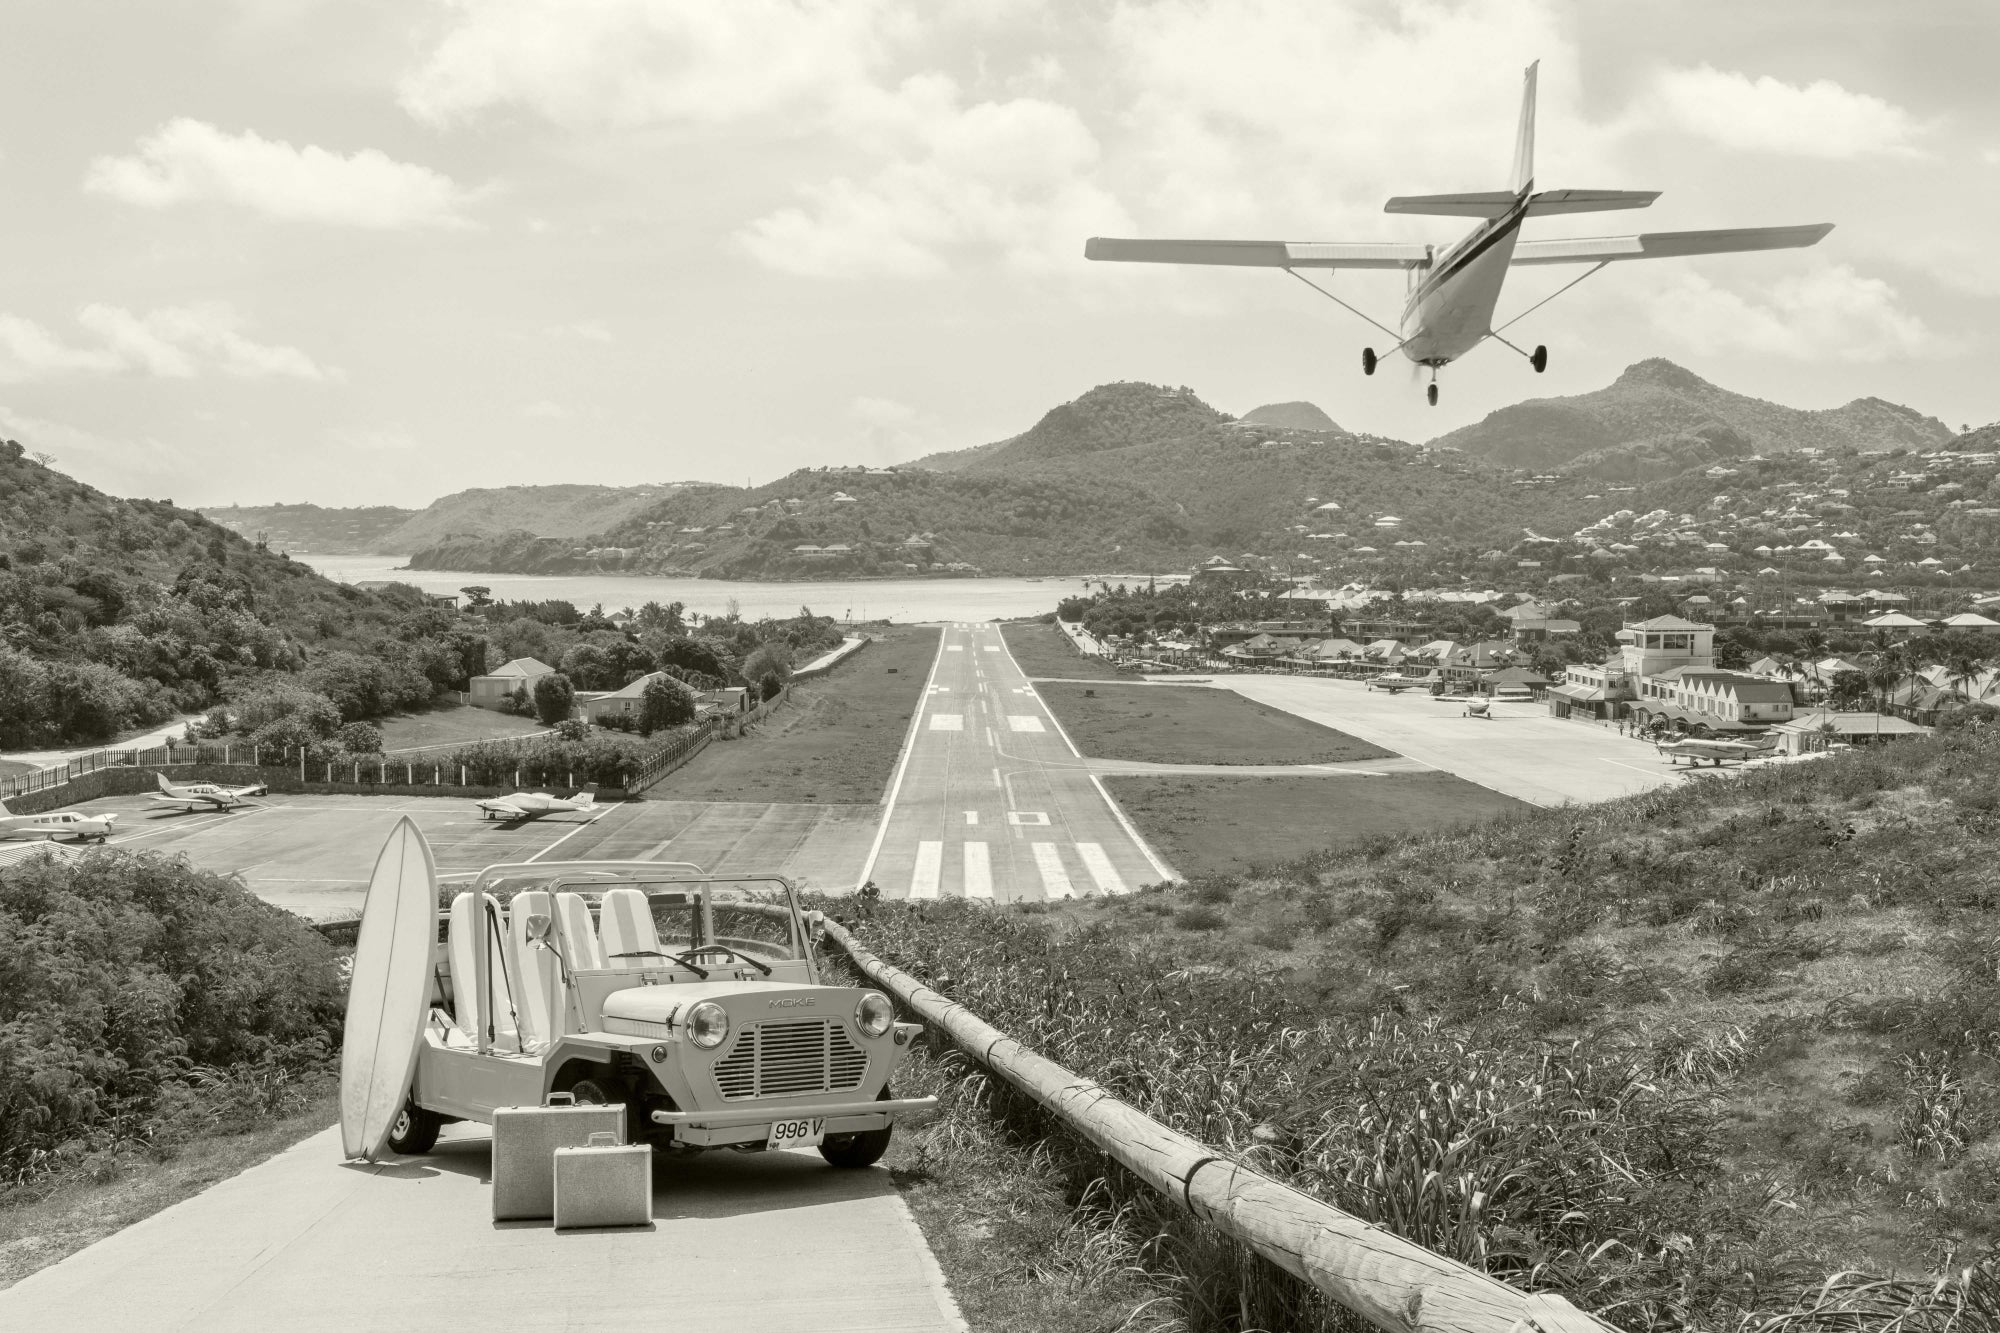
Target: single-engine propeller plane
(193, 796)
(1694, 749)
(535, 804)
(1453, 291)
(56, 824)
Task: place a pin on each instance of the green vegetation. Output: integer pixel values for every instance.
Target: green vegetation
(1233, 826)
(1683, 1056)
(836, 740)
(1045, 653)
(1193, 724)
(144, 1003)
(452, 723)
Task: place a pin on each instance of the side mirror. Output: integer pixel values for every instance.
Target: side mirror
(815, 926)
(538, 929)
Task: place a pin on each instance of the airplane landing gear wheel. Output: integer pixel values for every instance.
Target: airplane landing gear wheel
(1540, 359)
(1368, 361)
(1431, 392)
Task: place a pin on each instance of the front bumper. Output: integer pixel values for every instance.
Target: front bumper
(733, 1117)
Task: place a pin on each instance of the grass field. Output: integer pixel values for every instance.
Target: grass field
(1227, 826)
(453, 724)
(12, 768)
(1044, 652)
(836, 741)
(1189, 724)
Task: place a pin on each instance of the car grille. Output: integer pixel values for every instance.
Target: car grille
(783, 1059)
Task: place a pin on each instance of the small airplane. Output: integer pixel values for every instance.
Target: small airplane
(1393, 683)
(1479, 708)
(193, 796)
(1695, 749)
(56, 824)
(535, 804)
(1453, 292)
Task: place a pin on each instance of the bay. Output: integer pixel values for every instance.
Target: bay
(903, 600)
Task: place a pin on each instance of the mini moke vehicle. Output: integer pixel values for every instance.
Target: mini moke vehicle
(694, 1000)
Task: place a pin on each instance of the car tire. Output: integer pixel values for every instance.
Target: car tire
(853, 1151)
(604, 1090)
(415, 1131)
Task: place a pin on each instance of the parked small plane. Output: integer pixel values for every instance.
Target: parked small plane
(1453, 292)
(205, 795)
(1393, 683)
(56, 824)
(535, 804)
(1695, 749)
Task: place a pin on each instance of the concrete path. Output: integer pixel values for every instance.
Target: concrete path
(772, 1243)
(991, 800)
(146, 741)
(1522, 752)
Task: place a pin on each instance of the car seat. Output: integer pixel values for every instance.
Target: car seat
(626, 924)
(468, 1005)
(537, 971)
(580, 946)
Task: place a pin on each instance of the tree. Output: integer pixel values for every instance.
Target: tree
(554, 698)
(665, 702)
(1848, 688)
(693, 655)
(477, 595)
(772, 658)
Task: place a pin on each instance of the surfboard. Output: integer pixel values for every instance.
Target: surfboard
(387, 990)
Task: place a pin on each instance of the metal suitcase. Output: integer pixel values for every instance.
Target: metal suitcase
(525, 1139)
(604, 1184)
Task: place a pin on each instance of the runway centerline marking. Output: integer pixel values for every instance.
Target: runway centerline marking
(971, 817)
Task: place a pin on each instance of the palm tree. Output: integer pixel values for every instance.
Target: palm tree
(1884, 677)
(1962, 667)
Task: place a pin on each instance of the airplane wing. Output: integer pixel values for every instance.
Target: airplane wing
(1261, 254)
(503, 805)
(1669, 244)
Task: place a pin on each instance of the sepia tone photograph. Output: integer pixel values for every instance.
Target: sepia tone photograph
(1134, 666)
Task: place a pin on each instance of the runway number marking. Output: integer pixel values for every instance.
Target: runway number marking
(971, 816)
(1021, 722)
(992, 647)
(1100, 868)
(1055, 880)
(930, 868)
(978, 871)
(940, 689)
(1028, 818)
(947, 722)
(954, 647)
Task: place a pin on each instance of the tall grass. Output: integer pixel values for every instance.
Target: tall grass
(1568, 1048)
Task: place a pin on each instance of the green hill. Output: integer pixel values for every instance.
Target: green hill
(311, 528)
(1289, 416)
(120, 613)
(544, 511)
(1657, 398)
(1110, 416)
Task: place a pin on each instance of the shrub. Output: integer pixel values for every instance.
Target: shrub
(770, 686)
(554, 698)
(359, 738)
(132, 981)
(573, 729)
(769, 659)
(664, 703)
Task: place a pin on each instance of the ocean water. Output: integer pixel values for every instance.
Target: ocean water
(902, 600)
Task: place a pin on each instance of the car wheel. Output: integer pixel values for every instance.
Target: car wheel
(415, 1131)
(603, 1090)
(858, 1150)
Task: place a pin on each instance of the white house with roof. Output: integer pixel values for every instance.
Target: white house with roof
(496, 689)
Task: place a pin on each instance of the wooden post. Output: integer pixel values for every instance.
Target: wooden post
(1395, 1284)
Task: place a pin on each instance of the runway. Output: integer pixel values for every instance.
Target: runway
(991, 801)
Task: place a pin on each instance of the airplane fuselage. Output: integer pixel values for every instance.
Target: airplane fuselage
(1451, 302)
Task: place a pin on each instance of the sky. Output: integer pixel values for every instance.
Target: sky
(375, 251)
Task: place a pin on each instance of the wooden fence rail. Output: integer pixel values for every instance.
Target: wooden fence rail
(1393, 1283)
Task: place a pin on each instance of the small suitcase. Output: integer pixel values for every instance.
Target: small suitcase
(524, 1141)
(604, 1184)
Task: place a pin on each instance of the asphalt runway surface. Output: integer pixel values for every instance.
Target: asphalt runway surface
(991, 801)
(313, 854)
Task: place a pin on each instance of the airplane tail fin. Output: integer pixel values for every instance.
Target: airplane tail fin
(1524, 137)
(586, 798)
(164, 784)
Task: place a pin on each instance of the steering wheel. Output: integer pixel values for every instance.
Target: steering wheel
(724, 950)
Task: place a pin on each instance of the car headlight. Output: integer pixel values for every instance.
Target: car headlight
(874, 1014)
(708, 1025)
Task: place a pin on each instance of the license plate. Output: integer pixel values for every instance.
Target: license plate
(796, 1133)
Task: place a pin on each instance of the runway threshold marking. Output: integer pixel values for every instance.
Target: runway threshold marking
(929, 870)
(1055, 879)
(971, 816)
(1100, 868)
(947, 722)
(978, 871)
(1023, 722)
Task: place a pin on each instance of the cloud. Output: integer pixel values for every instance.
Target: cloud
(1827, 313)
(1008, 180)
(625, 63)
(374, 439)
(588, 330)
(189, 160)
(174, 342)
(890, 431)
(545, 410)
(1820, 119)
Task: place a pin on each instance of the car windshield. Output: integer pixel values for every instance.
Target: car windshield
(755, 918)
